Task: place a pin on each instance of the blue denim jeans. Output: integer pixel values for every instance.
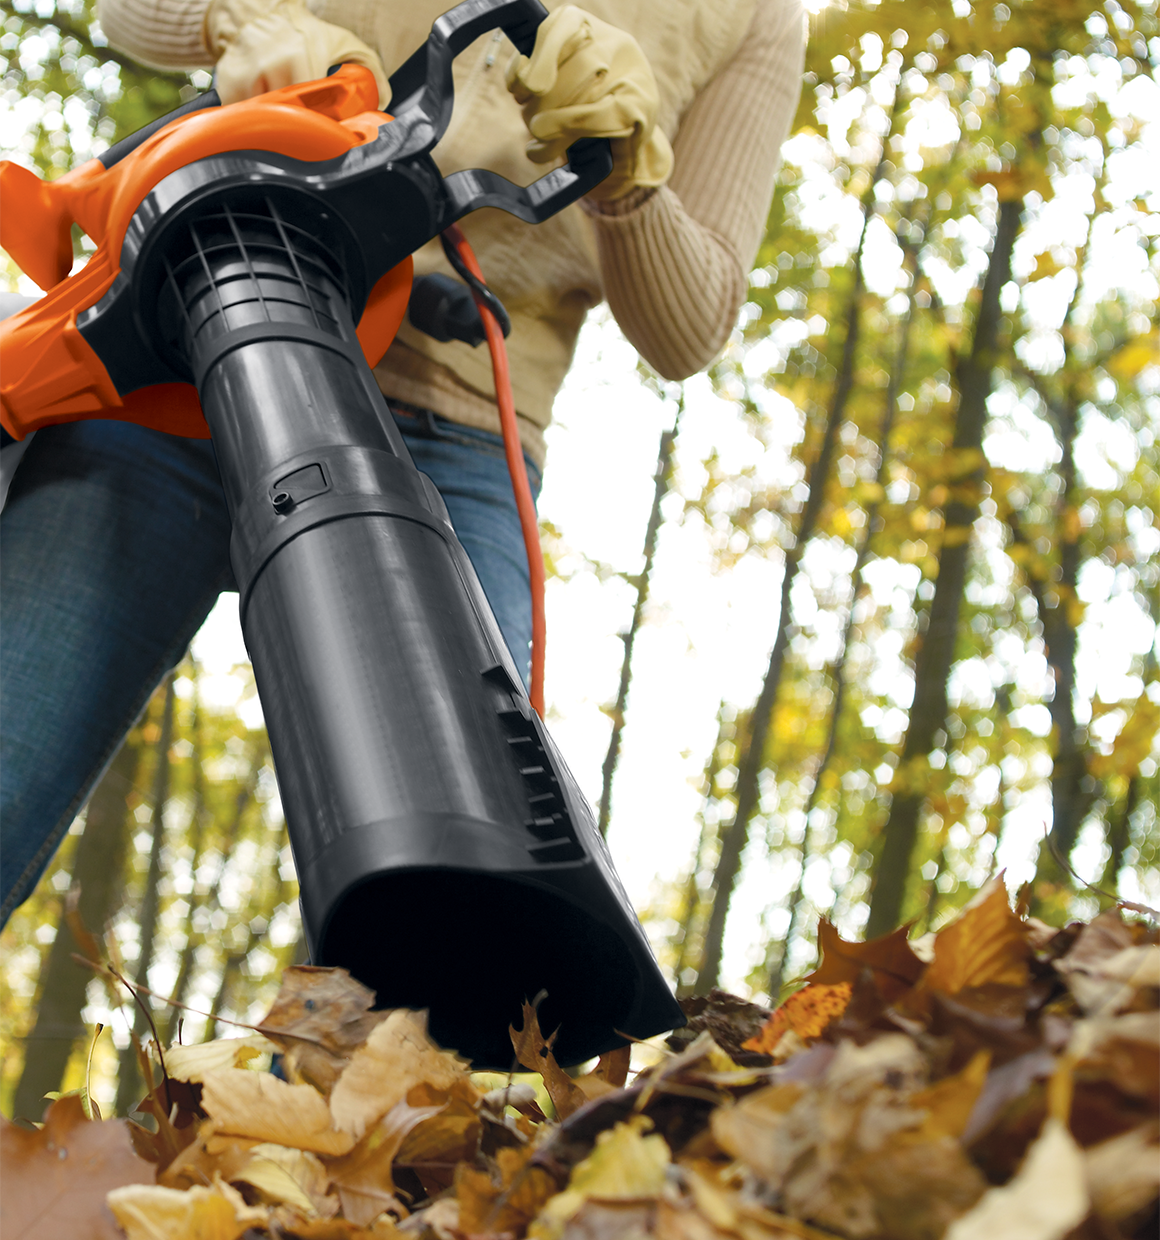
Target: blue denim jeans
(114, 545)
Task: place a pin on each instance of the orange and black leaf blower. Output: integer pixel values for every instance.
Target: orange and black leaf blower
(252, 260)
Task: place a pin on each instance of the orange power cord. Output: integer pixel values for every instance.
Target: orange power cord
(513, 450)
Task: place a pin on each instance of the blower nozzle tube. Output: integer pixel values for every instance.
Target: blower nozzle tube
(444, 852)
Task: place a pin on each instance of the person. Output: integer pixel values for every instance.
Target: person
(114, 540)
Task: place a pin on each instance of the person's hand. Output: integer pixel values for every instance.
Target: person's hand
(261, 45)
(587, 79)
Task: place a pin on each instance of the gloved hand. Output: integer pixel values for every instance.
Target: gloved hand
(587, 79)
(261, 45)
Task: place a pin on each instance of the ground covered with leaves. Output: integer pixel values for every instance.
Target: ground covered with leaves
(997, 1081)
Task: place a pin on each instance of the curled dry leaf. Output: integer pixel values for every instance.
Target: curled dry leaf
(890, 959)
(55, 1178)
(362, 1178)
(321, 1015)
(260, 1106)
(151, 1212)
(986, 945)
(534, 1052)
(396, 1056)
(1045, 1201)
(505, 1200)
(191, 1063)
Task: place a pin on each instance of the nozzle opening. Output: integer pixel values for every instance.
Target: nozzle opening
(472, 948)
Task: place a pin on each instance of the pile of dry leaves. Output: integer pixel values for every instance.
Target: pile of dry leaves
(998, 1082)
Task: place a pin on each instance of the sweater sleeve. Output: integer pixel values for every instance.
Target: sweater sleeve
(164, 34)
(675, 262)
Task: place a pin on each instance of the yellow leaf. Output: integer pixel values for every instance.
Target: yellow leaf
(191, 1063)
(397, 1056)
(625, 1164)
(281, 1174)
(258, 1105)
(1134, 742)
(1131, 358)
(489, 1207)
(150, 1212)
(949, 1103)
(985, 945)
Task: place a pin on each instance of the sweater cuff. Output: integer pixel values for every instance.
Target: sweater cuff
(618, 207)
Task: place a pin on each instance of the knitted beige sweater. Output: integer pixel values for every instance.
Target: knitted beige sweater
(672, 263)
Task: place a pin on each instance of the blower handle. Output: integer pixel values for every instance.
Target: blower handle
(118, 151)
(423, 80)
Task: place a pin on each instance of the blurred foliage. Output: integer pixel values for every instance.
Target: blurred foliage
(919, 121)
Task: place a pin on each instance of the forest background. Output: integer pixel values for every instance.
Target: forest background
(861, 616)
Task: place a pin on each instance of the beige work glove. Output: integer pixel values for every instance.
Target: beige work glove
(261, 45)
(587, 79)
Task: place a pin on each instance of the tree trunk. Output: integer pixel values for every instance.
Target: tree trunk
(129, 1083)
(937, 649)
(735, 836)
(661, 477)
(97, 873)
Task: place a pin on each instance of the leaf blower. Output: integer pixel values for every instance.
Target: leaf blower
(253, 263)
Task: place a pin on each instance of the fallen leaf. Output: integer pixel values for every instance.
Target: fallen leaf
(805, 1013)
(209, 1156)
(985, 945)
(257, 1105)
(1046, 1199)
(506, 1201)
(626, 1164)
(894, 965)
(321, 1015)
(950, 1103)
(728, 1019)
(362, 1178)
(286, 1176)
(191, 1063)
(1100, 939)
(150, 1212)
(396, 1056)
(1123, 1174)
(534, 1052)
(55, 1178)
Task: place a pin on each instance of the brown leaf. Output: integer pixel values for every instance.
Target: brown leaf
(433, 1146)
(534, 1052)
(985, 945)
(730, 1020)
(56, 1178)
(894, 965)
(257, 1105)
(396, 1056)
(506, 1201)
(613, 1066)
(319, 1018)
(363, 1178)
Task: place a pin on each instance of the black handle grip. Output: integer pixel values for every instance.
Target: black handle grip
(589, 162)
(422, 92)
(126, 146)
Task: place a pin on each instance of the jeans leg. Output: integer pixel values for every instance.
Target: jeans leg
(470, 471)
(114, 546)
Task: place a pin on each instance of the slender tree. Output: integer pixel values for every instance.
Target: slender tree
(661, 478)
